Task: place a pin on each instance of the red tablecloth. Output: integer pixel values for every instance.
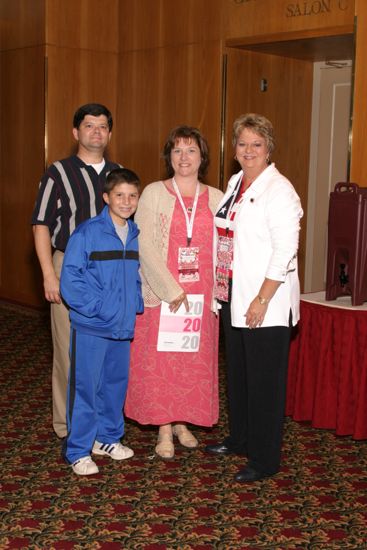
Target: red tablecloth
(327, 377)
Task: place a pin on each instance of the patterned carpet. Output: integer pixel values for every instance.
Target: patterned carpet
(317, 501)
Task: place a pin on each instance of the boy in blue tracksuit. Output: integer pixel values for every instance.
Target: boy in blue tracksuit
(100, 282)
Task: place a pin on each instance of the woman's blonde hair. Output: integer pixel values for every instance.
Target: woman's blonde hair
(257, 124)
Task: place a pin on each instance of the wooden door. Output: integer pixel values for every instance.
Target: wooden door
(287, 103)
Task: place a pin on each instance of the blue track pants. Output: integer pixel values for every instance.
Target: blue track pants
(98, 377)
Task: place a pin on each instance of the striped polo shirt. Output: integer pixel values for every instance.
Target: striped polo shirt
(70, 192)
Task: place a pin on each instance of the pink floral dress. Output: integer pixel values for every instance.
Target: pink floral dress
(167, 387)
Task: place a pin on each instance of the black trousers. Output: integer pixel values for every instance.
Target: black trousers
(257, 361)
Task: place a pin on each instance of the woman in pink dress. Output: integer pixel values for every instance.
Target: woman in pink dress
(175, 217)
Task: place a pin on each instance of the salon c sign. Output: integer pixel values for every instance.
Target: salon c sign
(315, 7)
(311, 7)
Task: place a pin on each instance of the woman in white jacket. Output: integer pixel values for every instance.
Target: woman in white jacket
(257, 287)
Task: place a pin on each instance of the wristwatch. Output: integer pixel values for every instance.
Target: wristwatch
(263, 301)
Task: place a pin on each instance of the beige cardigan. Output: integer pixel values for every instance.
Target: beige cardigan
(154, 216)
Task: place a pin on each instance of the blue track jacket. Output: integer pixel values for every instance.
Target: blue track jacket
(100, 279)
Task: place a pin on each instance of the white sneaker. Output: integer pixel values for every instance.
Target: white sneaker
(85, 466)
(114, 450)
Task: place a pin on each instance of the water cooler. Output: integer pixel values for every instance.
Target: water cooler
(347, 243)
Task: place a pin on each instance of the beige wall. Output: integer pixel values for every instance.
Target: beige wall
(328, 162)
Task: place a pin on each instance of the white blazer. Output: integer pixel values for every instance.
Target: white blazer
(265, 244)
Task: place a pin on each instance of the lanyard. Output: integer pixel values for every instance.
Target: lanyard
(229, 211)
(189, 220)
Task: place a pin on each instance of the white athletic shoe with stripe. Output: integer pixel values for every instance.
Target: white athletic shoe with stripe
(117, 451)
(85, 466)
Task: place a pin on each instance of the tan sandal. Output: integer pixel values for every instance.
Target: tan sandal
(165, 448)
(185, 437)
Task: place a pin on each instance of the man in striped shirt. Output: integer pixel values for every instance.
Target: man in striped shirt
(69, 193)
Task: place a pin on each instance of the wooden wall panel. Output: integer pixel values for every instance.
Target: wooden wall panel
(160, 23)
(75, 77)
(83, 24)
(140, 25)
(287, 103)
(163, 88)
(191, 94)
(22, 161)
(137, 131)
(358, 171)
(22, 23)
(262, 17)
(192, 21)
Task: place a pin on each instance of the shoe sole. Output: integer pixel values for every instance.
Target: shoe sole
(215, 453)
(188, 447)
(165, 458)
(85, 473)
(227, 453)
(103, 453)
(260, 478)
(191, 447)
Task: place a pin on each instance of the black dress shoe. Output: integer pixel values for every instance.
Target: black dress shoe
(248, 474)
(218, 449)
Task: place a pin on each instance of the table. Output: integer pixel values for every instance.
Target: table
(327, 376)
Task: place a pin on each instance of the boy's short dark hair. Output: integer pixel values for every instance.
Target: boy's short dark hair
(120, 175)
(94, 109)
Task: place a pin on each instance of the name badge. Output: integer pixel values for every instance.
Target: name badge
(188, 264)
(180, 331)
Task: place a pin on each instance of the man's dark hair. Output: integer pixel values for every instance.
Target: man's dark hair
(120, 175)
(94, 109)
